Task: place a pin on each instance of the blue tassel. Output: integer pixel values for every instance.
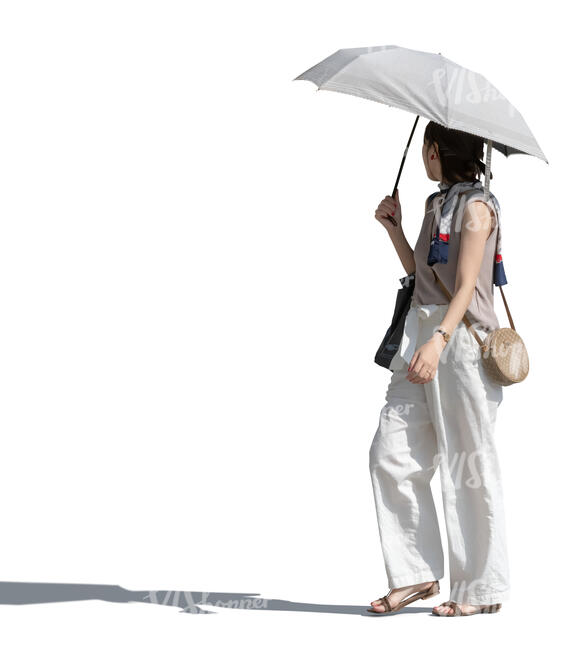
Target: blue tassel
(438, 252)
(499, 274)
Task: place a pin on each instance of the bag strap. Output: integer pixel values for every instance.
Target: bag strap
(465, 319)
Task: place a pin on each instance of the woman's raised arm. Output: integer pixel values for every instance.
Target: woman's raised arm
(388, 213)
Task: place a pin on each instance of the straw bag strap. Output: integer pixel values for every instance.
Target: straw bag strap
(465, 318)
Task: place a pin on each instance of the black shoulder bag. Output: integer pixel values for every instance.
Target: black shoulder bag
(392, 339)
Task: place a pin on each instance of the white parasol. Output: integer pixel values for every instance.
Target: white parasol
(430, 86)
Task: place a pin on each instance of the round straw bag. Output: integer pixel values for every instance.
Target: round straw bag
(504, 354)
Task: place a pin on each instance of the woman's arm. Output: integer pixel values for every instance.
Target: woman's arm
(387, 210)
(476, 229)
(403, 250)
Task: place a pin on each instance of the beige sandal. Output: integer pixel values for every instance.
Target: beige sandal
(427, 593)
(484, 609)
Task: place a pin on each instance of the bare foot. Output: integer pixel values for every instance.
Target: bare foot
(395, 596)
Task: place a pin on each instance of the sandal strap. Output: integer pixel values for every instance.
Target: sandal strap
(411, 597)
(386, 603)
(457, 609)
(454, 606)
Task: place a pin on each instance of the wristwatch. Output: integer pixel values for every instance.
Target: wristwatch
(443, 333)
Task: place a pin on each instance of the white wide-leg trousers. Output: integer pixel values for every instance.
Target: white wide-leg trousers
(447, 422)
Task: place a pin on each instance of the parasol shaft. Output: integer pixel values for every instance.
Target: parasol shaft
(404, 156)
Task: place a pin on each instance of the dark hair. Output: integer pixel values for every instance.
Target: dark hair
(460, 152)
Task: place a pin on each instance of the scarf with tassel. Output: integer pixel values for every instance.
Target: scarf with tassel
(447, 198)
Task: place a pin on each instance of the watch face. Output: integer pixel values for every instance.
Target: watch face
(444, 334)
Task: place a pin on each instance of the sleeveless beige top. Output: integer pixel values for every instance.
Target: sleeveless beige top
(428, 291)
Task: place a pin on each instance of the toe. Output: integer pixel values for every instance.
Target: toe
(378, 606)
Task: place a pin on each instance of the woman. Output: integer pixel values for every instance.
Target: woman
(440, 404)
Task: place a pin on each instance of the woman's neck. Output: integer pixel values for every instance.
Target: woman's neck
(459, 180)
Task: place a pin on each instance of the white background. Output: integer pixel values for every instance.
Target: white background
(193, 287)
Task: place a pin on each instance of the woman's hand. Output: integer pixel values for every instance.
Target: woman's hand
(388, 213)
(424, 362)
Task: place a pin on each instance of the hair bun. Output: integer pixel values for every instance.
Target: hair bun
(482, 166)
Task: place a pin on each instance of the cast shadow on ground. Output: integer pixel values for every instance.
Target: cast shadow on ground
(190, 602)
